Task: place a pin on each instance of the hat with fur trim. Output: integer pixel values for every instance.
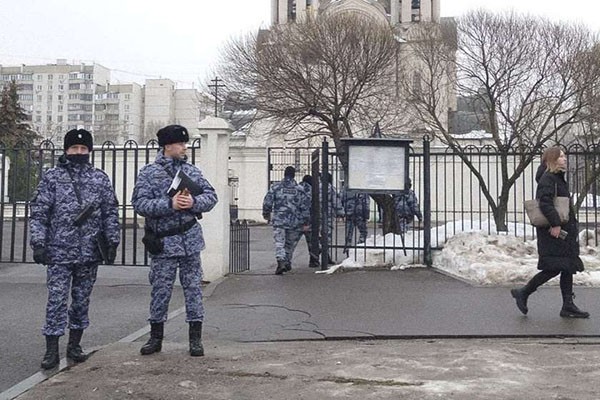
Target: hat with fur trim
(78, 136)
(172, 134)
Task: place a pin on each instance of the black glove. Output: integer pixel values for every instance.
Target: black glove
(39, 256)
(267, 216)
(111, 254)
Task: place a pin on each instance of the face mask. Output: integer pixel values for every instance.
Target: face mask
(78, 158)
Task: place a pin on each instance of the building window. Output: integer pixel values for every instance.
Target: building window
(39, 97)
(50, 87)
(38, 118)
(59, 118)
(38, 87)
(60, 107)
(39, 77)
(50, 76)
(127, 96)
(61, 87)
(59, 97)
(49, 118)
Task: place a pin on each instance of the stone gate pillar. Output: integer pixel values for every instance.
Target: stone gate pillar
(214, 163)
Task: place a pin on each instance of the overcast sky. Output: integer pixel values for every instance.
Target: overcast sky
(176, 39)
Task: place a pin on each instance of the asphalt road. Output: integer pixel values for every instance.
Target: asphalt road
(119, 306)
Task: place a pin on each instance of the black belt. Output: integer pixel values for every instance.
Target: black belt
(177, 230)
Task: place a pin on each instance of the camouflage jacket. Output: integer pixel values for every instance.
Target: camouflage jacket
(407, 205)
(287, 204)
(334, 201)
(151, 201)
(54, 207)
(356, 204)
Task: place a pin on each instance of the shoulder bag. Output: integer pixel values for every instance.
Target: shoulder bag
(537, 219)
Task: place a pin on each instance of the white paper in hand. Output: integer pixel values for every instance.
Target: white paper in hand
(174, 188)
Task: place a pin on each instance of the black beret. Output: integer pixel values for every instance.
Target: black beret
(172, 134)
(78, 136)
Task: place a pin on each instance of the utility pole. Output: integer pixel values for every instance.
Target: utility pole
(216, 85)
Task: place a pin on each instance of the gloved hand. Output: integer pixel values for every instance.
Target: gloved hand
(267, 216)
(111, 254)
(40, 256)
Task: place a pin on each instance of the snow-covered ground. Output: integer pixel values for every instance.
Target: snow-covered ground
(471, 253)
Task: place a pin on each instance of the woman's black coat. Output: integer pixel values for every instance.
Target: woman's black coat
(556, 254)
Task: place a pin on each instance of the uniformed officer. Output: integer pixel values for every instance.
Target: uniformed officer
(335, 209)
(73, 211)
(314, 257)
(177, 236)
(356, 207)
(407, 208)
(287, 206)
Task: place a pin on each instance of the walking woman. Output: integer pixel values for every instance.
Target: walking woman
(557, 254)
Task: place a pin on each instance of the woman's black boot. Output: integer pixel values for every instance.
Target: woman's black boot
(570, 310)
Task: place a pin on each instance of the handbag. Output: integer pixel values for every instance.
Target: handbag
(537, 218)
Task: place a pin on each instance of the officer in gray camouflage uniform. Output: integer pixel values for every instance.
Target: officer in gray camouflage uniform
(313, 257)
(287, 206)
(335, 210)
(407, 208)
(172, 220)
(64, 239)
(356, 207)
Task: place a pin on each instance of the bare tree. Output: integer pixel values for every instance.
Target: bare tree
(528, 74)
(324, 77)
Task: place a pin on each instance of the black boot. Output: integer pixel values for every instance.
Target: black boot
(196, 348)
(51, 359)
(288, 266)
(521, 295)
(280, 267)
(314, 262)
(154, 344)
(74, 351)
(570, 310)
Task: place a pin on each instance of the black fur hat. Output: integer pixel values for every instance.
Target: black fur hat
(78, 136)
(172, 134)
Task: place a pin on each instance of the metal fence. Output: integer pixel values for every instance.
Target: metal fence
(452, 197)
(239, 247)
(22, 168)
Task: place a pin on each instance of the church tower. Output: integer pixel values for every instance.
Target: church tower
(397, 12)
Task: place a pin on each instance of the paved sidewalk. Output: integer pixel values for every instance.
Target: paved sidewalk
(310, 336)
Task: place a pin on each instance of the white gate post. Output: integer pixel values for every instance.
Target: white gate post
(214, 163)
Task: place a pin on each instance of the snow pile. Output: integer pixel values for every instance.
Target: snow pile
(471, 252)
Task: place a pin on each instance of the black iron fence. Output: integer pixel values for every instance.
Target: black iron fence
(239, 247)
(22, 168)
(452, 197)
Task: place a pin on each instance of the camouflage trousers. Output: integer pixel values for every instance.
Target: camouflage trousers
(285, 242)
(351, 224)
(60, 279)
(402, 224)
(162, 277)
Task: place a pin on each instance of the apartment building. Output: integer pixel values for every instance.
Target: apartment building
(119, 113)
(59, 97)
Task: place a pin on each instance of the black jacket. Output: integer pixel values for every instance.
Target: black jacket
(556, 254)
